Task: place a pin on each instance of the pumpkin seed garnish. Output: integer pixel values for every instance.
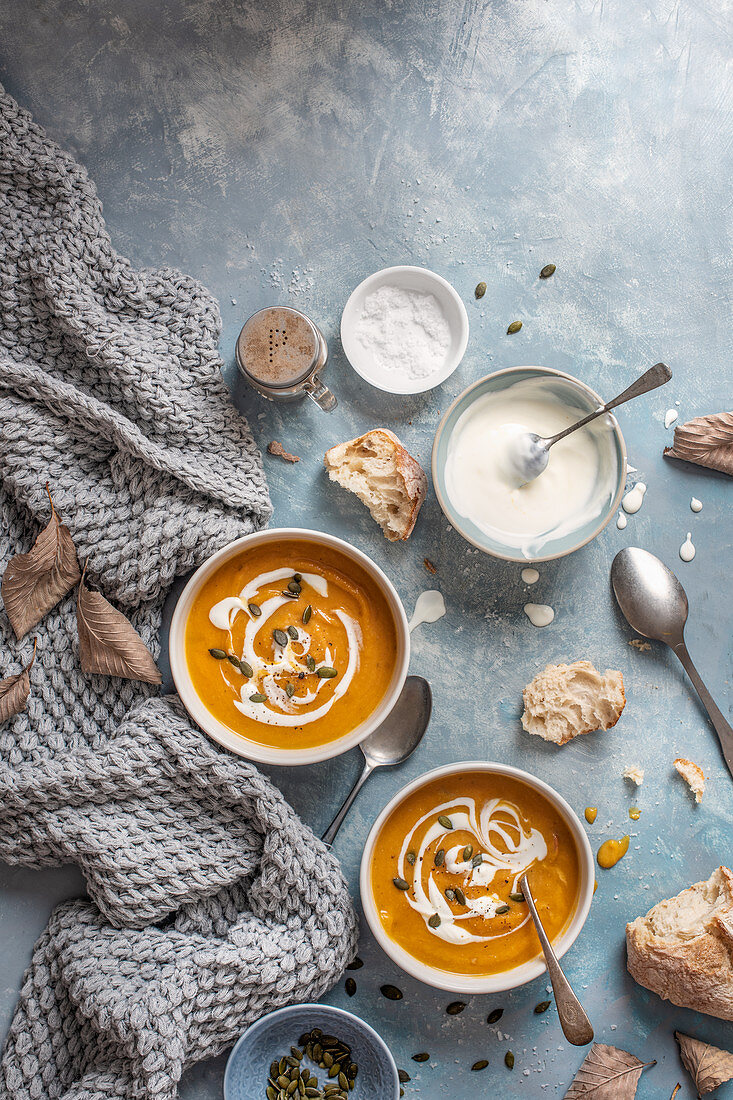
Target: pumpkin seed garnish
(519, 896)
(326, 673)
(502, 910)
(290, 595)
(293, 632)
(255, 609)
(468, 851)
(477, 860)
(400, 883)
(403, 1076)
(297, 578)
(514, 327)
(455, 1008)
(307, 614)
(450, 894)
(547, 270)
(232, 660)
(495, 1015)
(541, 1007)
(481, 1064)
(218, 654)
(350, 986)
(439, 858)
(434, 921)
(423, 1056)
(280, 637)
(258, 697)
(355, 964)
(411, 857)
(311, 663)
(391, 992)
(445, 822)
(509, 1060)
(460, 896)
(480, 290)
(289, 690)
(294, 587)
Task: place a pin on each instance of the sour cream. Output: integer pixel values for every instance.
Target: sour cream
(482, 482)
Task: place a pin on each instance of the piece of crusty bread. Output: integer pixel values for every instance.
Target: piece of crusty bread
(683, 948)
(693, 775)
(566, 700)
(384, 476)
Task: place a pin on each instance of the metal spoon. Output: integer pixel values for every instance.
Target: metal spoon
(655, 604)
(392, 742)
(575, 1024)
(530, 453)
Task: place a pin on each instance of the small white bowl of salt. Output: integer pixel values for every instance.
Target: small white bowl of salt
(404, 329)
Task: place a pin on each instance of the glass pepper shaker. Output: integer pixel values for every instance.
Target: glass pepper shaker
(281, 353)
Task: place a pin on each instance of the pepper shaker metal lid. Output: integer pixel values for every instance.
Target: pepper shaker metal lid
(280, 351)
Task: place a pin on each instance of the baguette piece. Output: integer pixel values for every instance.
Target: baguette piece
(693, 776)
(683, 948)
(566, 700)
(384, 476)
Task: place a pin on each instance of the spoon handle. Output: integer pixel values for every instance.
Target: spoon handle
(650, 380)
(333, 828)
(720, 725)
(575, 1024)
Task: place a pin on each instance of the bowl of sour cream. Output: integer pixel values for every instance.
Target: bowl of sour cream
(476, 483)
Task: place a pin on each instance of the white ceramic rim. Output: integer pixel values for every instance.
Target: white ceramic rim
(443, 288)
(237, 743)
(455, 519)
(487, 983)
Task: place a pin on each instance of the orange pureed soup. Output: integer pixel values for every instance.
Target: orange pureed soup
(291, 644)
(446, 865)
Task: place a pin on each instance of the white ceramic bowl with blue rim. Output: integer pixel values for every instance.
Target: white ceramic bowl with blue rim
(239, 743)
(506, 979)
(405, 278)
(247, 1070)
(576, 395)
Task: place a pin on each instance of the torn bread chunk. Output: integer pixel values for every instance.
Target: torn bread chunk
(384, 476)
(634, 773)
(564, 701)
(692, 775)
(683, 948)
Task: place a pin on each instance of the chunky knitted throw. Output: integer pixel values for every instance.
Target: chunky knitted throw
(211, 902)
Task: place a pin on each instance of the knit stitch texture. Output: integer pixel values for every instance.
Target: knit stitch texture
(211, 902)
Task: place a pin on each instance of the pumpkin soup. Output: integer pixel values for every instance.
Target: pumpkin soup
(446, 867)
(291, 644)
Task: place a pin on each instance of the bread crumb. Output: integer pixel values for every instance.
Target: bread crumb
(564, 701)
(642, 646)
(692, 775)
(276, 448)
(634, 773)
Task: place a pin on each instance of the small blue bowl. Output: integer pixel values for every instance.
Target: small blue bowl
(248, 1068)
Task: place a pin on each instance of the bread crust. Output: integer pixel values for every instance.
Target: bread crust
(683, 948)
(413, 478)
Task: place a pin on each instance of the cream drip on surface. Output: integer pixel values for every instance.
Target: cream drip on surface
(669, 417)
(621, 521)
(634, 499)
(482, 482)
(430, 607)
(539, 614)
(687, 550)
(696, 505)
(523, 849)
(289, 658)
(530, 576)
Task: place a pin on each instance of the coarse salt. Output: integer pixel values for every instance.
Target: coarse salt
(405, 331)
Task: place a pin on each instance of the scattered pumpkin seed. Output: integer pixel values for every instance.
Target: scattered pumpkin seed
(307, 614)
(326, 673)
(519, 896)
(289, 690)
(255, 610)
(445, 822)
(455, 1008)
(411, 857)
(481, 1064)
(439, 858)
(391, 992)
(477, 860)
(480, 290)
(502, 910)
(460, 896)
(495, 1015)
(293, 632)
(403, 1076)
(400, 883)
(423, 1056)
(218, 654)
(509, 1060)
(450, 894)
(434, 921)
(311, 663)
(468, 851)
(355, 964)
(541, 1007)
(350, 987)
(258, 697)
(514, 327)
(547, 270)
(280, 637)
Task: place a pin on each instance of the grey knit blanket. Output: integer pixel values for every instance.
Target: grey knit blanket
(211, 902)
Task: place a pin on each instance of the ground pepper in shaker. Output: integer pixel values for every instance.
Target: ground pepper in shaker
(281, 352)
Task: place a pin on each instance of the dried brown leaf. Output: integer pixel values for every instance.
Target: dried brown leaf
(276, 448)
(708, 1066)
(14, 691)
(607, 1073)
(429, 565)
(707, 441)
(35, 582)
(108, 642)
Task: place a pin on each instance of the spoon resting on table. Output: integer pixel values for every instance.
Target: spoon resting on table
(655, 604)
(575, 1024)
(529, 453)
(392, 742)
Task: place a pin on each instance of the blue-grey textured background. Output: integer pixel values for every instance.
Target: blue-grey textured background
(283, 151)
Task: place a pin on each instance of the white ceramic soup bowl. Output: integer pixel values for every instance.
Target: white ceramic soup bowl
(577, 396)
(506, 979)
(238, 743)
